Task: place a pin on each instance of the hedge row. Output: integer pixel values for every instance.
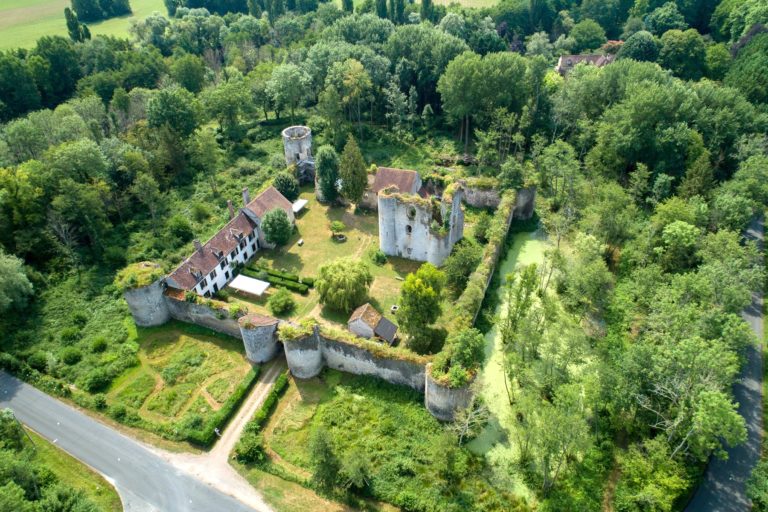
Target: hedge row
(250, 447)
(205, 436)
(289, 276)
(469, 302)
(293, 286)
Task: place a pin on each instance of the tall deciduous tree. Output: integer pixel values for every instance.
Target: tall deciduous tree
(15, 287)
(420, 306)
(288, 87)
(277, 227)
(343, 284)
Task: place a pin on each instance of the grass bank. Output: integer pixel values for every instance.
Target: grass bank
(77, 475)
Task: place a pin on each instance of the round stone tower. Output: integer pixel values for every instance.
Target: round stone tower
(147, 304)
(259, 334)
(297, 143)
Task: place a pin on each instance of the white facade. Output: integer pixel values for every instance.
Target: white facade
(223, 273)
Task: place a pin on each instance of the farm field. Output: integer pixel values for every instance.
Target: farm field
(22, 22)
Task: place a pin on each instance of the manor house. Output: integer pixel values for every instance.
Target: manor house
(211, 266)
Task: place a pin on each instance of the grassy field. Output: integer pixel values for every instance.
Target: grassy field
(320, 248)
(77, 475)
(180, 372)
(22, 22)
(404, 447)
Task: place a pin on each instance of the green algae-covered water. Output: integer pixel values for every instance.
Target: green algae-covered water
(494, 441)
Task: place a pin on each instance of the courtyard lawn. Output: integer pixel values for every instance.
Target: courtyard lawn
(319, 247)
(22, 22)
(405, 447)
(77, 475)
(184, 370)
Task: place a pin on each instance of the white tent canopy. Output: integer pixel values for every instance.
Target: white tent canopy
(249, 285)
(299, 205)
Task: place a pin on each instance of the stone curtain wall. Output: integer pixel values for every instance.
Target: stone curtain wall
(202, 314)
(307, 355)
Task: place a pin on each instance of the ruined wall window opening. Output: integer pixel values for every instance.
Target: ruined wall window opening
(411, 213)
(408, 229)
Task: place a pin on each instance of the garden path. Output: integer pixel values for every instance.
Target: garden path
(213, 467)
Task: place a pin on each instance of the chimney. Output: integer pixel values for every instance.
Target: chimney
(246, 196)
(198, 245)
(231, 210)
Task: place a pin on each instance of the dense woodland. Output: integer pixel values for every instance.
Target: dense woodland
(621, 349)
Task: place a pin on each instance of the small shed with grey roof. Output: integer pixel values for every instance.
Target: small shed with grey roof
(366, 322)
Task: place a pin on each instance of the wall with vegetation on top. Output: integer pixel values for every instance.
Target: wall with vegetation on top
(202, 314)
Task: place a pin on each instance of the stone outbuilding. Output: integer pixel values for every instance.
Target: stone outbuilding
(366, 322)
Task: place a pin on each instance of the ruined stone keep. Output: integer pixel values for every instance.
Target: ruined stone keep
(417, 228)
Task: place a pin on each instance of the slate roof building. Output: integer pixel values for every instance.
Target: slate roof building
(211, 266)
(366, 322)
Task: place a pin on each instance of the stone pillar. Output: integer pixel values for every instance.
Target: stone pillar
(304, 356)
(441, 401)
(259, 335)
(148, 305)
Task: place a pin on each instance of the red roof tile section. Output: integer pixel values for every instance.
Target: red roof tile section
(268, 200)
(202, 261)
(386, 177)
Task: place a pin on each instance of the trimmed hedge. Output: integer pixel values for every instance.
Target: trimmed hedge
(250, 447)
(207, 435)
(287, 276)
(291, 285)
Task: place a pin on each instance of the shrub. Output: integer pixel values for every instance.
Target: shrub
(180, 229)
(99, 344)
(190, 296)
(235, 310)
(79, 319)
(378, 257)
(99, 401)
(287, 185)
(117, 411)
(200, 212)
(9, 362)
(96, 380)
(250, 449)
(71, 355)
(757, 486)
(38, 360)
(337, 227)
(70, 335)
(281, 303)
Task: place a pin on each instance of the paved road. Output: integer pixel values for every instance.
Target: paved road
(723, 488)
(145, 482)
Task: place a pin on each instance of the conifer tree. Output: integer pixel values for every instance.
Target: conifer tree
(354, 177)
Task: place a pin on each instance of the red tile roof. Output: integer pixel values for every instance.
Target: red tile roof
(386, 177)
(268, 200)
(201, 262)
